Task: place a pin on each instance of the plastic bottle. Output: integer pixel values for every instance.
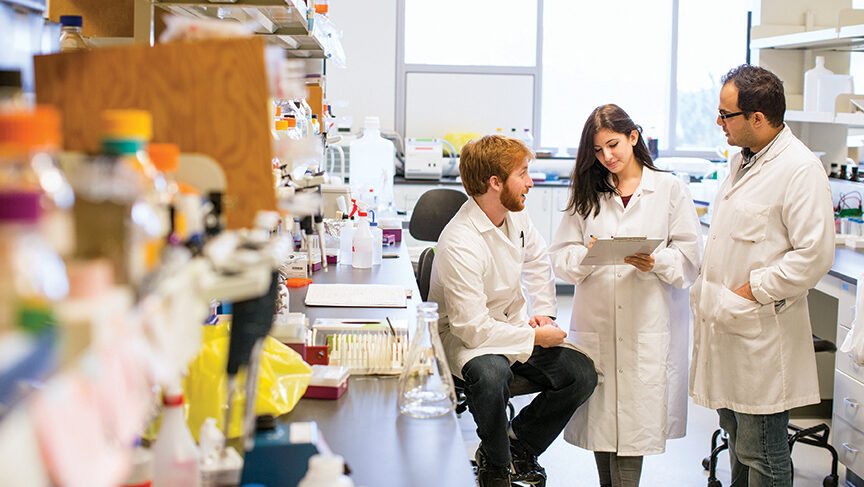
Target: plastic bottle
(372, 162)
(811, 84)
(32, 275)
(71, 38)
(362, 244)
(346, 242)
(377, 243)
(109, 187)
(326, 471)
(528, 138)
(29, 139)
(141, 474)
(175, 454)
(425, 384)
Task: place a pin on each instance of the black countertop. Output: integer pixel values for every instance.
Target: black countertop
(364, 426)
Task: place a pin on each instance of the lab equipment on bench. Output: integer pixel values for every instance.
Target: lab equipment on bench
(280, 452)
(426, 387)
(364, 346)
(424, 158)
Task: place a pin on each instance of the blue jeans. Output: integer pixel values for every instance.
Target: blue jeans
(758, 448)
(568, 378)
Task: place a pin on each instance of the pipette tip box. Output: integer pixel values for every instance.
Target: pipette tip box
(327, 382)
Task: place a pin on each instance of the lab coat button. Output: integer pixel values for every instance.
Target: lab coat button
(620, 339)
(713, 237)
(619, 274)
(619, 306)
(620, 371)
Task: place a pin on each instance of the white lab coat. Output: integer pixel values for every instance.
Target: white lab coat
(634, 324)
(476, 283)
(773, 228)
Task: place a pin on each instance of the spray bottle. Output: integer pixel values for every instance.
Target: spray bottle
(362, 243)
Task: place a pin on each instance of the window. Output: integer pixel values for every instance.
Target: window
(661, 61)
(478, 33)
(712, 39)
(602, 55)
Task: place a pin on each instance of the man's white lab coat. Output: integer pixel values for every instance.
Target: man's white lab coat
(634, 324)
(773, 228)
(476, 283)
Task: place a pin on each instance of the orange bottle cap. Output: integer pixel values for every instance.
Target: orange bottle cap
(24, 130)
(281, 125)
(166, 157)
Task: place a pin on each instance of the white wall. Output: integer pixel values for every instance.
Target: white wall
(368, 84)
(437, 103)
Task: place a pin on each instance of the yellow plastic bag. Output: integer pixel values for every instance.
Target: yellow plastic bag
(282, 380)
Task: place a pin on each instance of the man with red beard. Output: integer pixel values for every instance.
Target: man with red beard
(487, 254)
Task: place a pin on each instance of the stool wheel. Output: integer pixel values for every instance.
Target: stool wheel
(706, 463)
(714, 483)
(830, 481)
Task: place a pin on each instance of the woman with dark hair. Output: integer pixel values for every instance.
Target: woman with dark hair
(632, 318)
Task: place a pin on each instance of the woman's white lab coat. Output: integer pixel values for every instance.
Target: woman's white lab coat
(634, 324)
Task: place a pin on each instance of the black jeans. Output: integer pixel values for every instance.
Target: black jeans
(568, 378)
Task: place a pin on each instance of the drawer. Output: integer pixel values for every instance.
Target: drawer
(843, 361)
(849, 444)
(849, 400)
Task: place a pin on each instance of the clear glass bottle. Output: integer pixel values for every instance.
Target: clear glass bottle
(425, 384)
(71, 38)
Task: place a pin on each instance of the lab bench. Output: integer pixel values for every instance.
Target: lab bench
(381, 446)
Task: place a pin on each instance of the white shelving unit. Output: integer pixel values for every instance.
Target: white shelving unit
(282, 22)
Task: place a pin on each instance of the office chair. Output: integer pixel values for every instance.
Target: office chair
(433, 211)
(815, 435)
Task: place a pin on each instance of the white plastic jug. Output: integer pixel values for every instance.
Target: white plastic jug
(811, 85)
(371, 158)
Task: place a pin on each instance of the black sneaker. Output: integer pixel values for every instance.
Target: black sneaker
(490, 475)
(526, 469)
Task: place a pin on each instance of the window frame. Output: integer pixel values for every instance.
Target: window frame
(403, 69)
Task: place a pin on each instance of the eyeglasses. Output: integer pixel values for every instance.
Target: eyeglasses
(724, 116)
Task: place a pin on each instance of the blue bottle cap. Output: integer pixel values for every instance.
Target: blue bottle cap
(71, 21)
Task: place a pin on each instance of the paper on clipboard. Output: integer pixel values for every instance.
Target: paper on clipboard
(608, 251)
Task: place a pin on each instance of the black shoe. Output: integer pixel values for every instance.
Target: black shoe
(490, 475)
(526, 469)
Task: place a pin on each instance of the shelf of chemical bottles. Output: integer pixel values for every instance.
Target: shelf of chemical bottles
(853, 120)
(847, 35)
(282, 22)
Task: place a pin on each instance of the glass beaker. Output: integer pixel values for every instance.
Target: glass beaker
(425, 384)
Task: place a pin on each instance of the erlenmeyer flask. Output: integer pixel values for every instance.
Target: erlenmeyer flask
(425, 384)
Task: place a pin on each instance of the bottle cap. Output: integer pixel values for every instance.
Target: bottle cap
(292, 122)
(19, 206)
(372, 123)
(24, 130)
(281, 125)
(362, 213)
(124, 124)
(123, 146)
(71, 20)
(172, 400)
(166, 157)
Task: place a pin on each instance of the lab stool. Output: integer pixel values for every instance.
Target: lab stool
(815, 435)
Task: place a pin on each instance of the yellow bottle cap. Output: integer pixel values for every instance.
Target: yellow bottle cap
(123, 124)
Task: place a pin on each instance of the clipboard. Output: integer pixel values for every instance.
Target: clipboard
(609, 251)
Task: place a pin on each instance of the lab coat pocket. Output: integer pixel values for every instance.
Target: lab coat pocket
(653, 352)
(589, 344)
(750, 222)
(740, 316)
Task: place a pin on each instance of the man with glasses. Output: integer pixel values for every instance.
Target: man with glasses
(771, 240)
